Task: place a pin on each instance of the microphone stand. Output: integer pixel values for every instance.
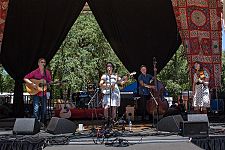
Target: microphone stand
(92, 105)
(110, 101)
(157, 110)
(43, 96)
(92, 98)
(156, 103)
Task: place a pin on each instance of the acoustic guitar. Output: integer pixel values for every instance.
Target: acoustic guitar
(107, 90)
(42, 86)
(65, 110)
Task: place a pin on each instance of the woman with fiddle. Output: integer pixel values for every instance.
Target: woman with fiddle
(201, 100)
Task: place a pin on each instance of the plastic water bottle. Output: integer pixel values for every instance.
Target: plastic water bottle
(130, 125)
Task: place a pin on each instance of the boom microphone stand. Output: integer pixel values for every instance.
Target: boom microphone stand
(92, 105)
(92, 98)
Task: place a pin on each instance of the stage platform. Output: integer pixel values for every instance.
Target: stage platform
(142, 136)
(83, 141)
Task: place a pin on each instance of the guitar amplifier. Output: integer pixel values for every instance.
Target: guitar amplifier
(127, 99)
(127, 95)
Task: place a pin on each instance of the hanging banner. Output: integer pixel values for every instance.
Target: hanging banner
(3, 14)
(199, 23)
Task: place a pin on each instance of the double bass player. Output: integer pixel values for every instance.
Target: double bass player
(144, 80)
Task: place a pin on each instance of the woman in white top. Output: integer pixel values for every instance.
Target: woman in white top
(109, 86)
(201, 97)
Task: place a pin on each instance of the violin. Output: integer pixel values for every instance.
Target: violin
(201, 74)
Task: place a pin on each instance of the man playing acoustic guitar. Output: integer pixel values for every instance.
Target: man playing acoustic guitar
(36, 84)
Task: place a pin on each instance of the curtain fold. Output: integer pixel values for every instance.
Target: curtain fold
(138, 30)
(34, 29)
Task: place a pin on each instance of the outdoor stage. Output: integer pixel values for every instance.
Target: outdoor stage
(143, 136)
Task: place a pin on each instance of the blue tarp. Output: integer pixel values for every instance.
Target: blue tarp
(130, 88)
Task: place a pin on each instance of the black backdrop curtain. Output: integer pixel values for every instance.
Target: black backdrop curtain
(138, 30)
(34, 29)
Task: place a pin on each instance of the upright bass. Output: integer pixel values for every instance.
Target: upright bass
(157, 104)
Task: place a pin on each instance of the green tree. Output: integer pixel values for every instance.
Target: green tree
(222, 90)
(175, 74)
(6, 82)
(82, 57)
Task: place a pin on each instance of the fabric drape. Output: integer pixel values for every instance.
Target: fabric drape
(34, 29)
(3, 14)
(138, 30)
(200, 29)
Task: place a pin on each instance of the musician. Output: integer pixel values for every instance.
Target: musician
(40, 73)
(109, 86)
(144, 80)
(201, 99)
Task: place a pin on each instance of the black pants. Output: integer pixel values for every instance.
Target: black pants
(142, 106)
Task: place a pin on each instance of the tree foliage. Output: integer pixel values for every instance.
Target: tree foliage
(82, 57)
(222, 90)
(175, 75)
(6, 82)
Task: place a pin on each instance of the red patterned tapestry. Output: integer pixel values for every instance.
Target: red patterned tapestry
(3, 13)
(199, 23)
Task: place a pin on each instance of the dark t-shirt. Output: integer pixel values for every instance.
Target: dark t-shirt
(146, 79)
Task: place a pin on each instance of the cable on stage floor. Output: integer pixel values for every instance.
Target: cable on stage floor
(59, 140)
(118, 142)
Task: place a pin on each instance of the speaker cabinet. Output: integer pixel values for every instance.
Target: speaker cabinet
(126, 100)
(130, 113)
(198, 118)
(25, 126)
(194, 128)
(170, 123)
(61, 126)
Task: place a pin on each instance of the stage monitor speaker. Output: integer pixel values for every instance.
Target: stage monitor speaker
(198, 118)
(60, 126)
(27, 126)
(170, 123)
(194, 128)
